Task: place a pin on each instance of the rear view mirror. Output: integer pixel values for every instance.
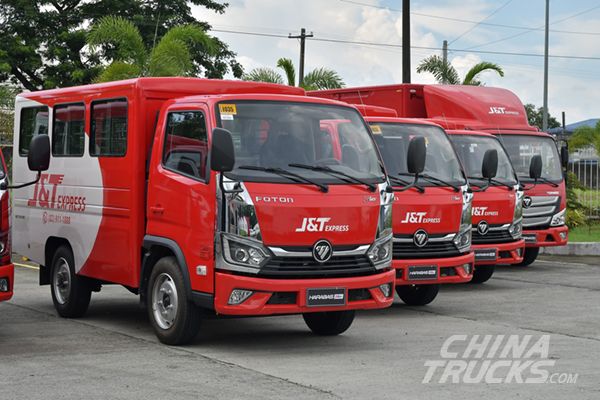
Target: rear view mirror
(222, 154)
(489, 166)
(417, 153)
(38, 158)
(564, 156)
(535, 167)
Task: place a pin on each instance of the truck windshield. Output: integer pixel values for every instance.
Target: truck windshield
(441, 162)
(521, 148)
(277, 134)
(471, 149)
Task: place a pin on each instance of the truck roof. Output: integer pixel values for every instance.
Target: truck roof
(260, 96)
(391, 120)
(185, 86)
(468, 132)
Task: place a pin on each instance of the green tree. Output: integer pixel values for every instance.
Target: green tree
(171, 56)
(317, 79)
(7, 104)
(586, 136)
(44, 41)
(535, 116)
(444, 72)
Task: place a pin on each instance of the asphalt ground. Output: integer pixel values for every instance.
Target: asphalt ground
(112, 352)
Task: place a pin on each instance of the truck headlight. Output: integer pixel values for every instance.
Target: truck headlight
(462, 240)
(516, 229)
(244, 251)
(518, 205)
(559, 218)
(380, 252)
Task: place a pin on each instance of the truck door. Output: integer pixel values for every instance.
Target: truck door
(181, 196)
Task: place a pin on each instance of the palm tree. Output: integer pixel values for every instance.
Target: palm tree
(130, 58)
(586, 136)
(444, 72)
(317, 79)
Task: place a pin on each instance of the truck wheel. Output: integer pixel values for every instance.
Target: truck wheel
(417, 295)
(175, 319)
(483, 273)
(70, 293)
(530, 255)
(329, 323)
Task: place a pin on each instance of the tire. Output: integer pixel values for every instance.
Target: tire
(329, 323)
(71, 294)
(418, 295)
(482, 273)
(174, 318)
(529, 257)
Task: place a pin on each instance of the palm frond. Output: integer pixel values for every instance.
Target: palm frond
(443, 72)
(120, 34)
(470, 77)
(263, 74)
(288, 67)
(119, 70)
(192, 34)
(583, 137)
(322, 78)
(170, 58)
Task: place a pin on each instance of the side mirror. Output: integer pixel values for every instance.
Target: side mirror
(489, 166)
(222, 153)
(564, 156)
(535, 168)
(417, 154)
(38, 158)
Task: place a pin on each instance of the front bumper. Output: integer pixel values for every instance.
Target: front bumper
(506, 253)
(449, 270)
(555, 236)
(264, 300)
(7, 272)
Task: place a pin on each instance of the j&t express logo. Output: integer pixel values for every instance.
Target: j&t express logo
(47, 194)
(484, 212)
(413, 217)
(320, 224)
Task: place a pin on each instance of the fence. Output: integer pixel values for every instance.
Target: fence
(588, 173)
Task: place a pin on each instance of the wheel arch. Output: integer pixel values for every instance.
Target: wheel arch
(52, 244)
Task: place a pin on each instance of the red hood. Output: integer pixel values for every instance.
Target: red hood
(496, 206)
(544, 189)
(302, 215)
(442, 208)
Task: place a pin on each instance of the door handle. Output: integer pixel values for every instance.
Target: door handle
(157, 209)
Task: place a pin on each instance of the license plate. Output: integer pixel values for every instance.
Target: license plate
(530, 238)
(422, 272)
(486, 254)
(326, 297)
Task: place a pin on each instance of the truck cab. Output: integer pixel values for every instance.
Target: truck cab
(497, 202)
(432, 209)
(204, 196)
(7, 273)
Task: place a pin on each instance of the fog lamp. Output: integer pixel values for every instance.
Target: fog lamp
(563, 235)
(3, 285)
(238, 296)
(468, 268)
(386, 289)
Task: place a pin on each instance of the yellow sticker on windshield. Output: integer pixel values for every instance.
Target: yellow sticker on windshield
(228, 109)
(376, 129)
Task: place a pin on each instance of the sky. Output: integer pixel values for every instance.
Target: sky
(574, 31)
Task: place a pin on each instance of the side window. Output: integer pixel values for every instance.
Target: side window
(68, 130)
(108, 135)
(34, 121)
(186, 147)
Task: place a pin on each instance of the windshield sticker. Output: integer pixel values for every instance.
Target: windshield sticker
(226, 117)
(376, 129)
(229, 109)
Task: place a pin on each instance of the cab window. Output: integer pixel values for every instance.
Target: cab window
(186, 147)
(33, 122)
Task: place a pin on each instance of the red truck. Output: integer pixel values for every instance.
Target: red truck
(7, 272)
(497, 202)
(432, 207)
(204, 194)
(534, 154)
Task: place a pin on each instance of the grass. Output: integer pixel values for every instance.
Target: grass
(589, 198)
(589, 233)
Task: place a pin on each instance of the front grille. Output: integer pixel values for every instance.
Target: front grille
(540, 212)
(408, 250)
(492, 236)
(307, 267)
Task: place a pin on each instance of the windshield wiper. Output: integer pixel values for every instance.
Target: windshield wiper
(496, 181)
(393, 179)
(287, 174)
(540, 179)
(433, 179)
(348, 178)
